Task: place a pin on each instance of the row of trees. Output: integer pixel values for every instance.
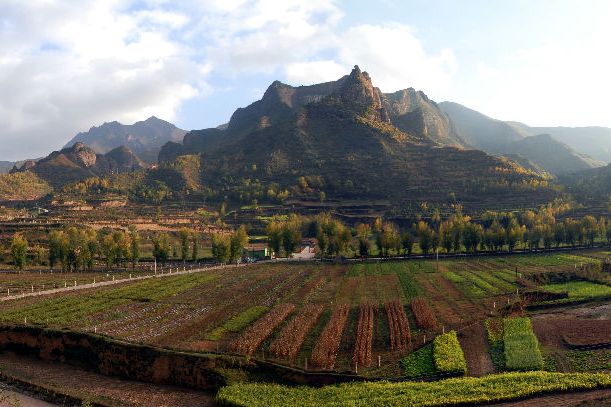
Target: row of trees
(76, 249)
(494, 231)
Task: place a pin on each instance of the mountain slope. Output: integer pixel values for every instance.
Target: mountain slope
(498, 137)
(143, 138)
(593, 141)
(351, 141)
(79, 162)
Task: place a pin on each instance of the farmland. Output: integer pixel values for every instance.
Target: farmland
(402, 320)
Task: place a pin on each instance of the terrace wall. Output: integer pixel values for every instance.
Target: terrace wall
(146, 363)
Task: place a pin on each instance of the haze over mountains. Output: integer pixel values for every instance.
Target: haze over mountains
(512, 138)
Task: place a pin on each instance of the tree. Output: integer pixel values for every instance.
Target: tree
(184, 235)
(239, 240)
(134, 246)
(195, 249)
(590, 227)
(221, 248)
(19, 251)
(445, 234)
(472, 236)
(108, 250)
(58, 249)
(407, 241)
(274, 235)
(161, 247)
(425, 236)
(389, 238)
(514, 234)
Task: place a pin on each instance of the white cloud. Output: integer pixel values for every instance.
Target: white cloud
(71, 65)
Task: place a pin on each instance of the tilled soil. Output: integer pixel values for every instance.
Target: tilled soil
(101, 389)
(475, 346)
(594, 398)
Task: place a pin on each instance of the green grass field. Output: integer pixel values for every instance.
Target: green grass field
(578, 290)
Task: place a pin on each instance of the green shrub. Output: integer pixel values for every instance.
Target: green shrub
(448, 355)
(521, 346)
(464, 390)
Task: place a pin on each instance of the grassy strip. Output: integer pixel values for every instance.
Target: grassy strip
(491, 388)
(521, 345)
(420, 363)
(448, 355)
(238, 322)
(464, 285)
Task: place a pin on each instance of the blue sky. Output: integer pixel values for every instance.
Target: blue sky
(66, 66)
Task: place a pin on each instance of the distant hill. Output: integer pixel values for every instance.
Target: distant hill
(509, 139)
(593, 141)
(348, 139)
(22, 186)
(6, 166)
(143, 138)
(79, 162)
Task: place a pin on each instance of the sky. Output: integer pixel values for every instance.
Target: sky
(66, 65)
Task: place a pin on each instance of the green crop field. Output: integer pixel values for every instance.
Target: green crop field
(448, 355)
(446, 392)
(578, 290)
(521, 345)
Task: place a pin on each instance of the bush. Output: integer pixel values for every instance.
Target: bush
(448, 355)
(521, 345)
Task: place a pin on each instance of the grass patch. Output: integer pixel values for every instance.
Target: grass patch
(238, 323)
(521, 346)
(448, 355)
(470, 390)
(589, 361)
(494, 333)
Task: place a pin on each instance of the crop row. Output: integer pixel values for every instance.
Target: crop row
(250, 340)
(290, 339)
(425, 319)
(466, 390)
(398, 326)
(364, 336)
(325, 350)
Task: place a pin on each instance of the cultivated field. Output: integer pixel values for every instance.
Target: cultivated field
(387, 319)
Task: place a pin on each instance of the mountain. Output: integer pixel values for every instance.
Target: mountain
(348, 139)
(593, 141)
(6, 166)
(143, 138)
(79, 162)
(504, 138)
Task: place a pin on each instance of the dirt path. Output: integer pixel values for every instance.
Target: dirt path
(594, 398)
(82, 384)
(475, 346)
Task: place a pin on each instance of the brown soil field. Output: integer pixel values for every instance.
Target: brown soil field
(594, 398)
(556, 332)
(101, 389)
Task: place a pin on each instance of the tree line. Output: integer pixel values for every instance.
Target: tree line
(457, 233)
